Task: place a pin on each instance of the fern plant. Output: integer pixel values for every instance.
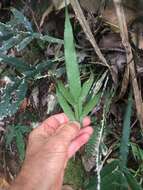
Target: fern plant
(73, 97)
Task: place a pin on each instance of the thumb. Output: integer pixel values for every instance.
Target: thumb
(69, 131)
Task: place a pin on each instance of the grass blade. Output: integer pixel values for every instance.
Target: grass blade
(86, 87)
(72, 69)
(124, 147)
(90, 105)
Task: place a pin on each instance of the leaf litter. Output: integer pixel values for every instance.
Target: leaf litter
(106, 47)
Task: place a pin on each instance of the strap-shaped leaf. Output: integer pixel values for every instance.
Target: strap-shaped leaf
(90, 105)
(47, 38)
(99, 83)
(125, 140)
(137, 151)
(65, 92)
(6, 45)
(26, 41)
(20, 144)
(39, 68)
(86, 87)
(72, 68)
(65, 106)
(50, 39)
(14, 62)
(4, 29)
(21, 19)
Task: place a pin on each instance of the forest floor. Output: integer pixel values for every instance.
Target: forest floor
(106, 46)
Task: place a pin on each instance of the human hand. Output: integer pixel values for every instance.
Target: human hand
(49, 148)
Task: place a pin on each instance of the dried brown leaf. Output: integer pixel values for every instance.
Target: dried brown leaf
(84, 23)
(45, 15)
(125, 83)
(130, 62)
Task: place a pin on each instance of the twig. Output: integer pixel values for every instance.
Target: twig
(34, 19)
(45, 14)
(130, 62)
(33, 16)
(79, 13)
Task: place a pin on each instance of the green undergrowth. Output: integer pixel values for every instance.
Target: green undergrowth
(75, 174)
(80, 90)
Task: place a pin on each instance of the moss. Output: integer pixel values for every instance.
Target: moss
(75, 174)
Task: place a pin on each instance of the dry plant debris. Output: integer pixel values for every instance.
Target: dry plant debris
(130, 61)
(108, 44)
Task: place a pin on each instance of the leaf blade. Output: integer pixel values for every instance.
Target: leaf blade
(65, 106)
(8, 104)
(124, 147)
(73, 73)
(21, 19)
(64, 91)
(90, 105)
(86, 87)
(25, 42)
(15, 62)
